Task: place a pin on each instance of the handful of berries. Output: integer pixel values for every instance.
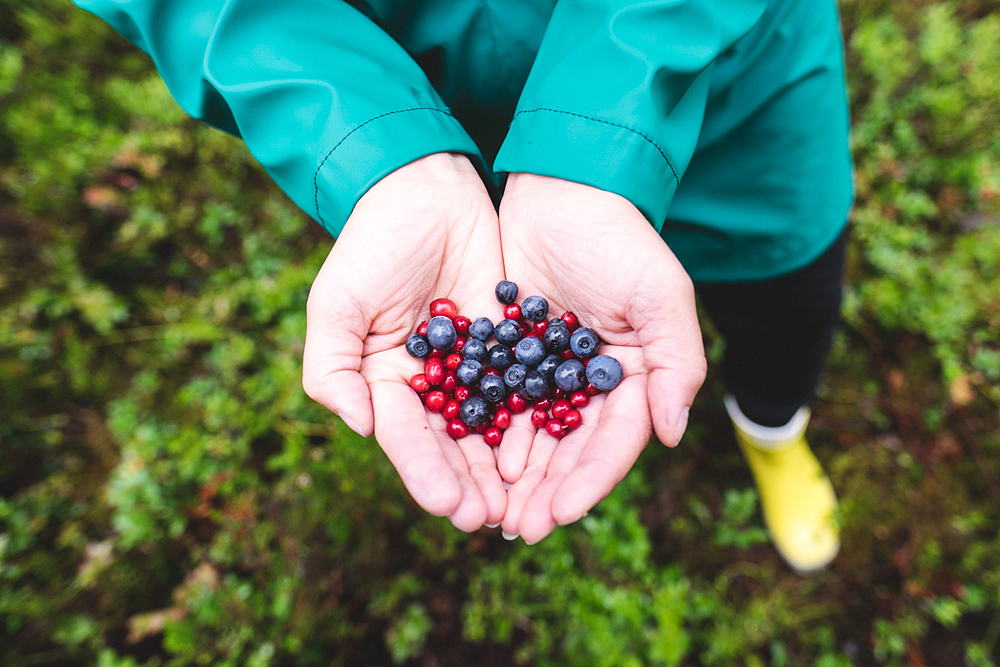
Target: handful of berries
(550, 365)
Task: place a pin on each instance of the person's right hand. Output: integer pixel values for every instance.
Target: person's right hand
(425, 231)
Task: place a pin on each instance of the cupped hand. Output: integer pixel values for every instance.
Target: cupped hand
(426, 230)
(594, 254)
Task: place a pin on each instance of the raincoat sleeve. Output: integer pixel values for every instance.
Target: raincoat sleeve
(324, 99)
(617, 93)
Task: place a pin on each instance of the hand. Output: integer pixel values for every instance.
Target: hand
(593, 253)
(426, 230)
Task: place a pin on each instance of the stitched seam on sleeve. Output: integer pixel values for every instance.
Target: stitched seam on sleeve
(319, 216)
(612, 124)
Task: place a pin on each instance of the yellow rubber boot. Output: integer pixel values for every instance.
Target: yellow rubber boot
(796, 497)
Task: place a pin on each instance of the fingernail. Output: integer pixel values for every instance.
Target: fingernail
(508, 536)
(351, 424)
(506, 485)
(492, 525)
(682, 424)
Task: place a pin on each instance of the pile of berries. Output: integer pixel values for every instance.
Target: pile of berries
(549, 365)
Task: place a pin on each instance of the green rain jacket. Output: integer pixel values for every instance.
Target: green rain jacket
(723, 121)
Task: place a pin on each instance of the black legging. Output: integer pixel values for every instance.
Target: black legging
(777, 335)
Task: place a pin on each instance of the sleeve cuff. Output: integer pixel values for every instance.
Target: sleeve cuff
(592, 151)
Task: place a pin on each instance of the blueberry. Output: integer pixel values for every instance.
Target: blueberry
(570, 376)
(492, 388)
(557, 337)
(604, 372)
(500, 356)
(530, 351)
(507, 332)
(475, 349)
(535, 308)
(535, 385)
(548, 367)
(514, 376)
(506, 292)
(469, 372)
(417, 346)
(441, 332)
(584, 342)
(474, 411)
(482, 328)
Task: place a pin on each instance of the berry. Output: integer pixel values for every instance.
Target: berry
(572, 420)
(591, 390)
(469, 372)
(530, 351)
(492, 388)
(570, 376)
(419, 383)
(452, 361)
(540, 328)
(513, 377)
(543, 404)
(548, 367)
(500, 356)
(481, 328)
(457, 429)
(560, 408)
(604, 372)
(450, 410)
(506, 292)
(570, 320)
(475, 349)
(584, 343)
(535, 385)
(461, 324)
(474, 412)
(555, 428)
(567, 354)
(462, 393)
(444, 308)
(539, 418)
(507, 332)
(417, 346)
(441, 332)
(512, 312)
(502, 418)
(422, 328)
(535, 308)
(434, 371)
(493, 436)
(516, 404)
(579, 399)
(557, 337)
(449, 382)
(435, 400)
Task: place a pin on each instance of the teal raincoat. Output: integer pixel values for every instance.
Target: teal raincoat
(723, 121)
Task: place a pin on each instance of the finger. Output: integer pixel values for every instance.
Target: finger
(405, 435)
(480, 463)
(513, 454)
(622, 432)
(471, 511)
(533, 475)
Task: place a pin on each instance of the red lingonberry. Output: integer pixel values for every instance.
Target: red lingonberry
(422, 328)
(517, 404)
(502, 418)
(526, 329)
(449, 382)
(437, 354)
(481, 429)
(555, 428)
(459, 344)
(451, 409)
(491, 371)
(543, 404)
(512, 312)
(492, 436)
(444, 307)
(539, 418)
(531, 334)
(572, 420)
(462, 393)
(591, 390)
(434, 371)
(557, 393)
(570, 320)
(560, 408)
(453, 361)
(579, 399)
(568, 354)
(419, 383)
(461, 325)
(435, 400)
(456, 429)
(541, 327)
